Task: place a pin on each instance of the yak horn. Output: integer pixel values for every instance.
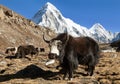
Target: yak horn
(47, 41)
(67, 38)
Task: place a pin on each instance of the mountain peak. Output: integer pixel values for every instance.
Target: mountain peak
(49, 6)
(98, 26)
(100, 33)
(47, 10)
(49, 16)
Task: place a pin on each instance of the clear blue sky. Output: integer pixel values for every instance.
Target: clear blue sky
(83, 12)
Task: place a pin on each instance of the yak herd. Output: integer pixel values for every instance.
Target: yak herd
(23, 50)
(69, 51)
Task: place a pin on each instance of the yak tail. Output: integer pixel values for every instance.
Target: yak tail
(97, 53)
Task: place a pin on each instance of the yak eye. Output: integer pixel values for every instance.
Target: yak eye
(59, 45)
(49, 44)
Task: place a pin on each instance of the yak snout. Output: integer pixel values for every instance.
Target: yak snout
(52, 55)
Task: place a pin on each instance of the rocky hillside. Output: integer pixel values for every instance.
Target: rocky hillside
(16, 30)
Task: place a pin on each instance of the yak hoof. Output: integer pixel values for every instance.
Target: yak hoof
(71, 79)
(65, 78)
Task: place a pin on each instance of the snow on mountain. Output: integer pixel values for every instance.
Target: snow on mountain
(100, 33)
(49, 16)
(117, 36)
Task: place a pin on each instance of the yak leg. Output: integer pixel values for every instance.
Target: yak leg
(65, 74)
(90, 70)
(17, 55)
(64, 70)
(23, 55)
(91, 65)
(70, 72)
(72, 64)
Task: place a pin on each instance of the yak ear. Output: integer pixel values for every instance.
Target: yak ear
(47, 41)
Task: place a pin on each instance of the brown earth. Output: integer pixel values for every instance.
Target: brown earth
(15, 30)
(24, 71)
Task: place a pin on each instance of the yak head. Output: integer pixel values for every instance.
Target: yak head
(57, 45)
(55, 48)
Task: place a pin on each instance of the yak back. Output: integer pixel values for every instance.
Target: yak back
(83, 45)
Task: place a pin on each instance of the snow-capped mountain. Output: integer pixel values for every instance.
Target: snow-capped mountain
(49, 16)
(100, 33)
(117, 36)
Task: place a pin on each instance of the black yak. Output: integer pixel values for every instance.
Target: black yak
(24, 50)
(71, 51)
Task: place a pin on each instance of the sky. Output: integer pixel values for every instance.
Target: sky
(83, 12)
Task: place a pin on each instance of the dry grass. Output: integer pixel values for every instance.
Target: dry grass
(23, 71)
(15, 30)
